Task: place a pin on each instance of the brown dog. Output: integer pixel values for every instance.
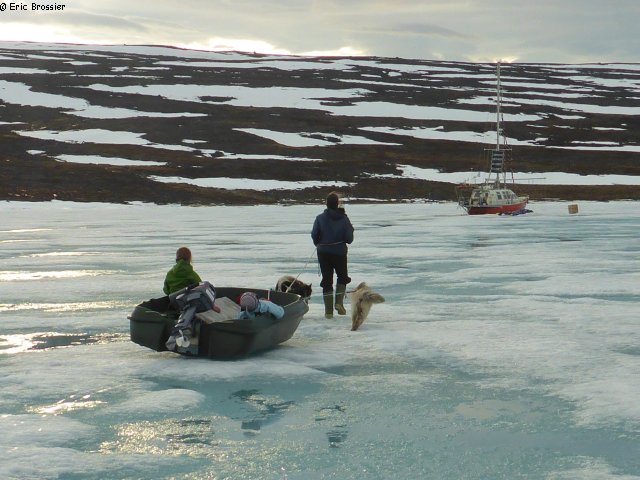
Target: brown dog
(362, 298)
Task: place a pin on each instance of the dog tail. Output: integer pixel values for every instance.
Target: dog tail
(373, 297)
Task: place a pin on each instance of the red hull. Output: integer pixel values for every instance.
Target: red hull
(491, 209)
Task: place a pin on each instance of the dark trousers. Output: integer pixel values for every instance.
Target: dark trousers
(330, 263)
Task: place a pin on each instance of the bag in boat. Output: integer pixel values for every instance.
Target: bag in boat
(193, 299)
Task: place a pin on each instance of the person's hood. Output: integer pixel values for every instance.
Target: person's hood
(335, 214)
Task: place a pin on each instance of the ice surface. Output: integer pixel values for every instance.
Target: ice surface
(507, 347)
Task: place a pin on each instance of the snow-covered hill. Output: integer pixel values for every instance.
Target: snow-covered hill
(121, 123)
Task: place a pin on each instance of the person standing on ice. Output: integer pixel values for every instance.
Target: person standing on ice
(182, 273)
(331, 232)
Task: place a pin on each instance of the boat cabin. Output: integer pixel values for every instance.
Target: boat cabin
(492, 197)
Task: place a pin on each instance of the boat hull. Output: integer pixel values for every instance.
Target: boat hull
(151, 323)
(496, 209)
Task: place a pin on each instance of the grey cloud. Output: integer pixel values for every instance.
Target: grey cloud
(103, 21)
(421, 29)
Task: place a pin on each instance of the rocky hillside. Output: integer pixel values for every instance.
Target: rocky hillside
(154, 124)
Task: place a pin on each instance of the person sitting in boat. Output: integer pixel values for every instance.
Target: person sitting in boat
(251, 305)
(182, 273)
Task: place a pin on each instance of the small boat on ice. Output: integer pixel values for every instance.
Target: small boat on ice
(218, 334)
(493, 196)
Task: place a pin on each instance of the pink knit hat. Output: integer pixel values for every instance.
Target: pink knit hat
(249, 301)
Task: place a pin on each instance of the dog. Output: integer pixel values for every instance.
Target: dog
(362, 298)
(287, 283)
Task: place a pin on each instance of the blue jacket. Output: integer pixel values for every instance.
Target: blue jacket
(264, 306)
(332, 231)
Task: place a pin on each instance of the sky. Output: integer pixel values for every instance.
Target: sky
(562, 31)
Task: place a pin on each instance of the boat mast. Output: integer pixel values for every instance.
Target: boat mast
(498, 102)
(497, 155)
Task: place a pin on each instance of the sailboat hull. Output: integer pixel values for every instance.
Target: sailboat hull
(496, 209)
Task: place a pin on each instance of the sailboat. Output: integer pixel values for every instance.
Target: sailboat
(493, 196)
